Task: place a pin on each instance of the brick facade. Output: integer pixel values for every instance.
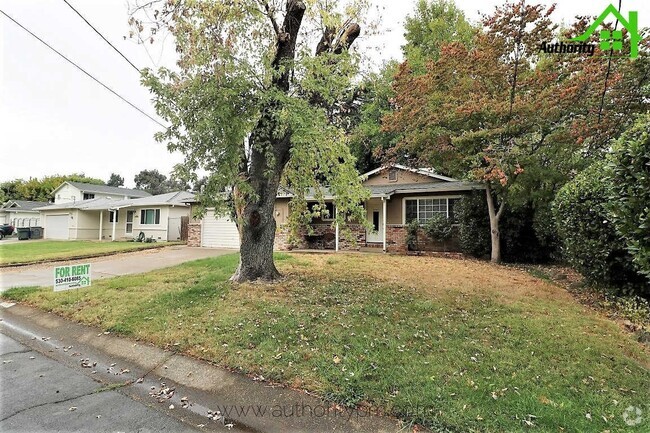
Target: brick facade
(194, 234)
(323, 237)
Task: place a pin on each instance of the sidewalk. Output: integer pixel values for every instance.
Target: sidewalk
(204, 396)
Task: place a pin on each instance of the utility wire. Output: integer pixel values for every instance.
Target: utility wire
(81, 69)
(102, 36)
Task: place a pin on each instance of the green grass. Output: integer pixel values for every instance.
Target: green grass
(454, 345)
(38, 251)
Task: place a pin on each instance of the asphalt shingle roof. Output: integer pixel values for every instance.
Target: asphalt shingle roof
(105, 189)
(178, 198)
(23, 205)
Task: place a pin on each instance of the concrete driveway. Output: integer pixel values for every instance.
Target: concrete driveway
(107, 267)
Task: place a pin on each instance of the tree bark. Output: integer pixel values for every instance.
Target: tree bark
(495, 217)
(255, 212)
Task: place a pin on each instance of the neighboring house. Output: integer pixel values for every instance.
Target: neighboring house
(398, 195)
(72, 192)
(114, 213)
(21, 213)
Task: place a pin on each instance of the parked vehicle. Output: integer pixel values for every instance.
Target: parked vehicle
(6, 230)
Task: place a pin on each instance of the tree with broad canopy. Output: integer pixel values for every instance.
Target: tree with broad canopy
(251, 102)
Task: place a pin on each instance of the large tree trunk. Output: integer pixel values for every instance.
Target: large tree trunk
(495, 217)
(255, 212)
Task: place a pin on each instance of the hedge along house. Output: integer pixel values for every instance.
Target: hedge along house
(398, 195)
(114, 216)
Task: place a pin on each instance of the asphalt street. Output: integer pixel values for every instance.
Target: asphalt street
(39, 394)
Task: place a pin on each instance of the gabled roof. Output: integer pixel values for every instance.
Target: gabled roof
(22, 205)
(178, 198)
(104, 189)
(423, 171)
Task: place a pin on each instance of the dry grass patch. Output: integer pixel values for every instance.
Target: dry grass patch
(455, 345)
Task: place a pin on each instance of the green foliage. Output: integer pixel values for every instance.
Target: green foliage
(372, 101)
(115, 180)
(474, 225)
(412, 229)
(230, 103)
(629, 204)
(439, 228)
(589, 239)
(433, 24)
(156, 183)
(40, 189)
(524, 231)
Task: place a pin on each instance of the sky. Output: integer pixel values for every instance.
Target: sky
(56, 120)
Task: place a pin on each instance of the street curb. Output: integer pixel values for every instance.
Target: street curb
(140, 367)
(86, 256)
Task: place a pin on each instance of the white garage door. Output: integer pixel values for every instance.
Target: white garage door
(56, 226)
(219, 232)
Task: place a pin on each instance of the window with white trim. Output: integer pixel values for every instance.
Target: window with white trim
(423, 209)
(149, 216)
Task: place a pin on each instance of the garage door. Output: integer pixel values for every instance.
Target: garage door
(56, 226)
(219, 232)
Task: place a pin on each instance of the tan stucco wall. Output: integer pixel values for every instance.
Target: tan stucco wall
(403, 177)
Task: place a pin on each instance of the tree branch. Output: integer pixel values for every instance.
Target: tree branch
(269, 14)
(286, 42)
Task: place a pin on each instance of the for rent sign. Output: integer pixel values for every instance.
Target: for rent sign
(71, 277)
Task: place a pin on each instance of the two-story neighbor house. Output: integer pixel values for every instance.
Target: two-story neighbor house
(398, 195)
(85, 211)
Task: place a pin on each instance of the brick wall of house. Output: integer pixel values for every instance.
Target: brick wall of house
(194, 234)
(396, 241)
(323, 237)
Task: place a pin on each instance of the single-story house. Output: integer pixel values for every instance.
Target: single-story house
(114, 213)
(398, 195)
(21, 213)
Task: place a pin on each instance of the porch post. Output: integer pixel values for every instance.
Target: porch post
(336, 211)
(114, 221)
(383, 205)
(101, 223)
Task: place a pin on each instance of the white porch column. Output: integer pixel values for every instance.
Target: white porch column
(114, 222)
(101, 223)
(336, 212)
(383, 206)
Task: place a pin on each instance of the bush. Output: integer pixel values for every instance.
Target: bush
(524, 231)
(473, 225)
(590, 242)
(412, 235)
(629, 177)
(438, 228)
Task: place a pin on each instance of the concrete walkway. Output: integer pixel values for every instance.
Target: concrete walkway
(107, 267)
(200, 394)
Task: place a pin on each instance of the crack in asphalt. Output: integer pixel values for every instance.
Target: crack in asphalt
(95, 391)
(17, 351)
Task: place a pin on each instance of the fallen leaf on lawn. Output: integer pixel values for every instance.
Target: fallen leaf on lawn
(140, 380)
(336, 359)
(588, 416)
(73, 408)
(32, 357)
(171, 406)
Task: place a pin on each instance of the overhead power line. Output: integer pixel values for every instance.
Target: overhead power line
(102, 36)
(82, 69)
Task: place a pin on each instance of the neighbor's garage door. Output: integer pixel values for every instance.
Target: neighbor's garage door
(219, 232)
(56, 226)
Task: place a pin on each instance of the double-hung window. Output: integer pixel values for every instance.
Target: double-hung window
(150, 216)
(423, 209)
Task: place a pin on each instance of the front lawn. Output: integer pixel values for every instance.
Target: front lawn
(455, 345)
(38, 251)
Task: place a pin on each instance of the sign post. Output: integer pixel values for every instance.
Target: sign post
(71, 277)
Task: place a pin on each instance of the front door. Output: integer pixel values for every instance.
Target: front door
(375, 220)
(129, 221)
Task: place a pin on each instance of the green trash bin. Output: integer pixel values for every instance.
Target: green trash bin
(23, 233)
(36, 232)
